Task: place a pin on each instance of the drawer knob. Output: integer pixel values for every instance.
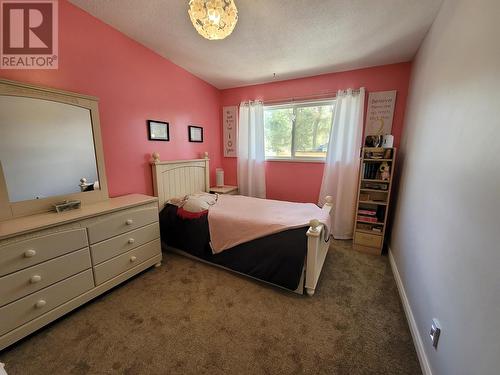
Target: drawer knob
(131, 240)
(41, 303)
(35, 278)
(129, 221)
(133, 258)
(29, 253)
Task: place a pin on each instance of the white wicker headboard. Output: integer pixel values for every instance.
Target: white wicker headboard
(177, 178)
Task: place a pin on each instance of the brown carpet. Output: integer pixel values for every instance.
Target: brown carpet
(190, 318)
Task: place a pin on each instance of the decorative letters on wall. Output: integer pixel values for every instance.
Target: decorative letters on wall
(380, 112)
(229, 120)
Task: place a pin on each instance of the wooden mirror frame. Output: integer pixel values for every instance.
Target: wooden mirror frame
(9, 209)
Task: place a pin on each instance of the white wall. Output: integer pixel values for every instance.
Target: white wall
(446, 235)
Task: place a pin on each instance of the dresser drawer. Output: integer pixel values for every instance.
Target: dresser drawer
(117, 245)
(111, 225)
(29, 280)
(124, 262)
(18, 255)
(28, 308)
(366, 239)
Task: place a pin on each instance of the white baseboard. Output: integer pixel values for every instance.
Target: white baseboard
(417, 339)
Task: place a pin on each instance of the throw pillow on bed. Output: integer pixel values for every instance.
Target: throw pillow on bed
(199, 202)
(183, 214)
(196, 205)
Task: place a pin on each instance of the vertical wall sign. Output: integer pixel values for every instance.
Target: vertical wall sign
(380, 112)
(229, 119)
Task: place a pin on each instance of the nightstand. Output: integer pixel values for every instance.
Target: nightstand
(226, 189)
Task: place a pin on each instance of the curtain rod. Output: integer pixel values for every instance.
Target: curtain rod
(323, 95)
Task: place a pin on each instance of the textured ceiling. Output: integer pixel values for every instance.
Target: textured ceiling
(292, 38)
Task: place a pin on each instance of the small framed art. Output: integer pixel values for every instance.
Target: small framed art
(158, 131)
(195, 133)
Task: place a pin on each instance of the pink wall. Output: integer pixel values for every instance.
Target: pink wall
(133, 84)
(301, 182)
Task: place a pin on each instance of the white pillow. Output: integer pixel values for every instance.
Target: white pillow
(177, 201)
(199, 202)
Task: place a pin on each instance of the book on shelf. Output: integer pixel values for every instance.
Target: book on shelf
(371, 219)
(370, 171)
(369, 227)
(364, 196)
(376, 186)
(367, 212)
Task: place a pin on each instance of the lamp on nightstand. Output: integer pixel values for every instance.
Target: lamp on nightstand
(219, 177)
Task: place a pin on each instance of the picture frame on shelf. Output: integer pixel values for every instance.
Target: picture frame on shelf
(158, 130)
(195, 133)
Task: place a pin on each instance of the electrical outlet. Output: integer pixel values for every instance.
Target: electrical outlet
(435, 332)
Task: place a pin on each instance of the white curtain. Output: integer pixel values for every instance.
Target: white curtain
(251, 157)
(340, 176)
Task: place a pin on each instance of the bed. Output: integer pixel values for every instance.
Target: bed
(298, 254)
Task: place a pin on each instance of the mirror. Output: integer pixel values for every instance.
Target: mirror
(46, 148)
(49, 140)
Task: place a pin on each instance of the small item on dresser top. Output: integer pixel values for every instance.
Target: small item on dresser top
(67, 206)
(85, 186)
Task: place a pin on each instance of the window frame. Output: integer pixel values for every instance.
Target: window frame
(294, 106)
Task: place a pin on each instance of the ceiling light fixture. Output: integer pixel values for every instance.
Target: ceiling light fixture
(213, 19)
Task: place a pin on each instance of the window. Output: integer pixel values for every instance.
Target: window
(298, 131)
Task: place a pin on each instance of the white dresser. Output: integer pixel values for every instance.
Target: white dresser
(52, 263)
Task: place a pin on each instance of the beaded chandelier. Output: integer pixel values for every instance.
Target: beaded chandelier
(213, 19)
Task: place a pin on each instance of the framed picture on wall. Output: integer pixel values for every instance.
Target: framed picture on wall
(158, 131)
(195, 133)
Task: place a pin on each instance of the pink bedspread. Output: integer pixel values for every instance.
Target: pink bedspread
(236, 219)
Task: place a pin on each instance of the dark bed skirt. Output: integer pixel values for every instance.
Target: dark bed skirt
(168, 249)
(276, 259)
